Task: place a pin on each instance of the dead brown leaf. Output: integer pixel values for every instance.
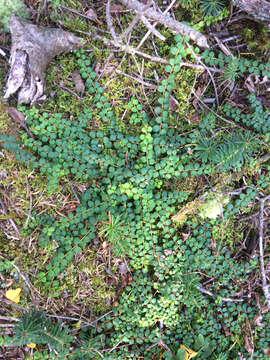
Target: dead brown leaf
(116, 8)
(249, 83)
(79, 84)
(214, 246)
(197, 95)
(194, 118)
(185, 236)
(122, 268)
(226, 330)
(173, 103)
(258, 320)
(3, 174)
(9, 282)
(249, 346)
(19, 118)
(263, 308)
(248, 338)
(106, 68)
(241, 357)
(92, 15)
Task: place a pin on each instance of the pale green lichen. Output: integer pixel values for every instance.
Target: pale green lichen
(209, 206)
(7, 7)
(212, 207)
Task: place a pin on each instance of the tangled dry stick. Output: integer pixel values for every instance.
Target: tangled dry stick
(167, 21)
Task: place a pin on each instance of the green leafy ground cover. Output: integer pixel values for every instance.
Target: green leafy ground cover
(188, 283)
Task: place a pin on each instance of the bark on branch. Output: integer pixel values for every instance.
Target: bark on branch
(259, 9)
(167, 21)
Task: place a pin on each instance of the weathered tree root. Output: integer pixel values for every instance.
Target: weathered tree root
(259, 9)
(31, 50)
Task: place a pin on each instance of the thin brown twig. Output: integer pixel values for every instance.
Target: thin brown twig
(83, 16)
(160, 342)
(23, 277)
(15, 207)
(96, 320)
(154, 25)
(75, 12)
(139, 16)
(152, 28)
(68, 318)
(262, 201)
(7, 318)
(131, 50)
(240, 190)
(152, 86)
(207, 69)
(30, 202)
(207, 292)
(74, 193)
(9, 219)
(223, 47)
(128, 30)
(118, 347)
(109, 21)
(252, 216)
(70, 91)
(8, 236)
(265, 286)
(14, 227)
(18, 117)
(30, 286)
(216, 114)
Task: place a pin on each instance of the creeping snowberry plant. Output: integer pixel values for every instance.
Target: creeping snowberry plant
(185, 290)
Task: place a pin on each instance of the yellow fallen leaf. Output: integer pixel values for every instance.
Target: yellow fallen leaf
(189, 353)
(13, 295)
(31, 345)
(190, 208)
(78, 324)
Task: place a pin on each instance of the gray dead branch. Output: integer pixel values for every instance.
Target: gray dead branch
(31, 50)
(167, 21)
(259, 9)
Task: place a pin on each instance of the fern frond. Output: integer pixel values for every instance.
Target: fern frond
(212, 7)
(231, 71)
(29, 328)
(56, 335)
(115, 231)
(35, 327)
(234, 151)
(204, 149)
(231, 153)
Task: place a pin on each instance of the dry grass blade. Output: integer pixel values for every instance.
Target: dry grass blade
(265, 286)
